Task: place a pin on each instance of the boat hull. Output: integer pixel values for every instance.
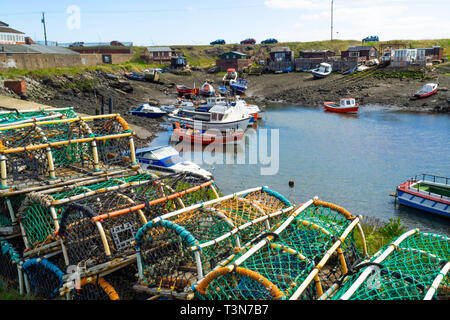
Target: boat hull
(205, 125)
(147, 114)
(206, 139)
(421, 96)
(331, 108)
(319, 75)
(423, 202)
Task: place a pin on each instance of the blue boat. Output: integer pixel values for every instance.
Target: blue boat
(146, 110)
(426, 192)
(349, 71)
(239, 85)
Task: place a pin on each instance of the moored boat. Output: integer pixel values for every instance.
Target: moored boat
(322, 71)
(346, 105)
(427, 90)
(207, 90)
(146, 110)
(426, 192)
(211, 136)
(186, 91)
(240, 85)
(229, 76)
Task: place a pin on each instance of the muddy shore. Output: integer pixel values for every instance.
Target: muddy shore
(84, 91)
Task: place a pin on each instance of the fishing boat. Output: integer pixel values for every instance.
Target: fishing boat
(427, 193)
(135, 76)
(231, 75)
(350, 71)
(322, 71)
(146, 110)
(186, 91)
(240, 85)
(251, 109)
(166, 159)
(210, 102)
(427, 90)
(346, 105)
(207, 90)
(220, 117)
(210, 136)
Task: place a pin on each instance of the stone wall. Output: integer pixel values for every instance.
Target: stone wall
(33, 61)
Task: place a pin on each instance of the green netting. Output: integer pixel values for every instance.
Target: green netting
(16, 116)
(285, 260)
(167, 246)
(405, 274)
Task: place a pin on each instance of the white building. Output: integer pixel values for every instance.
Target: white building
(10, 36)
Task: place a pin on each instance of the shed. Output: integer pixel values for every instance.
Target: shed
(178, 62)
(284, 54)
(361, 52)
(9, 35)
(157, 54)
(233, 59)
(317, 54)
(233, 55)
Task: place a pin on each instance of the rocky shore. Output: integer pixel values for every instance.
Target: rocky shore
(83, 91)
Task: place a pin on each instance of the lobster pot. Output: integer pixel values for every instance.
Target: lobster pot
(123, 281)
(15, 117)
(10, 261)
(300, 258)
(93, 240)
(94, 288)
(44, 276)
(412, 267)
(8, 215)
(62, 150)
(177, 249)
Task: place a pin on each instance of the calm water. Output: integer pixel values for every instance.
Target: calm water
(354, 161)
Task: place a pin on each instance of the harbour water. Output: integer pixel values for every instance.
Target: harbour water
(354, 161)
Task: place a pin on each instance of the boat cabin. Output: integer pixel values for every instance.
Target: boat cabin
(325, 67)
(161, 156)
(348, 102)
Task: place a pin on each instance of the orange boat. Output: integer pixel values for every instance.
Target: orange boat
(209, 137)
(347, 105)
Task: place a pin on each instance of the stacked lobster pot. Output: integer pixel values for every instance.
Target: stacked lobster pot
(47, 150)
(96, 229)
(298, 259)
(177, 249)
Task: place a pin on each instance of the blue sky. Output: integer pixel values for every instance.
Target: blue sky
(170, 22)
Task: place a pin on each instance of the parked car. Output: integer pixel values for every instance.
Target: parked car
(116, 43)
(220, 41)
(76, 44)
(371, 39)
(248, 41)
(270, 40)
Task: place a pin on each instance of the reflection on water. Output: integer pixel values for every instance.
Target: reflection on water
(355, 161)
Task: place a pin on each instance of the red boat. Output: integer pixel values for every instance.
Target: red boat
(183, 90)
(347, 105)
(209, 137)
(427, 90)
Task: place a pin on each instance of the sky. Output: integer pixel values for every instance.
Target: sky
(196, 22)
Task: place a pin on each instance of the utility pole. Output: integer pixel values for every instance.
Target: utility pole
(45, 31)
(331, 20)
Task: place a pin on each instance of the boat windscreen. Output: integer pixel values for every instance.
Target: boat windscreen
(173, 160)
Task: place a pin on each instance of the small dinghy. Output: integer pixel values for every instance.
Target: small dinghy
(322, 71)
(349, 71)
(135, 76)
(239, 85)
(207, 90)
(148, 111)
(211, 136)
(347, 105)
(427, 90)
(186, 91)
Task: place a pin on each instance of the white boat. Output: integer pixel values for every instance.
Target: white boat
(427, 90)
(179, 104)
(221, 117)
(251, 109)
(210, 102)
(230, 75)
(207, 89)
(362, 68)
(146, 110)
(166, 159)
(322, 71)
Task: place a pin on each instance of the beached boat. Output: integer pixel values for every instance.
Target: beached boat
(210, 136)
(349, 71)
(220, 117)
(186, 91)
(207, 90)
(166, 159)
(240, 85)
(322, 71)
(427, 90)
(426, 192)
(347, 105)
(135, 76)
(210, 102)
(146, 110)
(229, 76)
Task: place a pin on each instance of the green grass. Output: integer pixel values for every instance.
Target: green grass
(11, 294)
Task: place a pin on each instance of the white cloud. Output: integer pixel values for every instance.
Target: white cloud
(297, 4)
